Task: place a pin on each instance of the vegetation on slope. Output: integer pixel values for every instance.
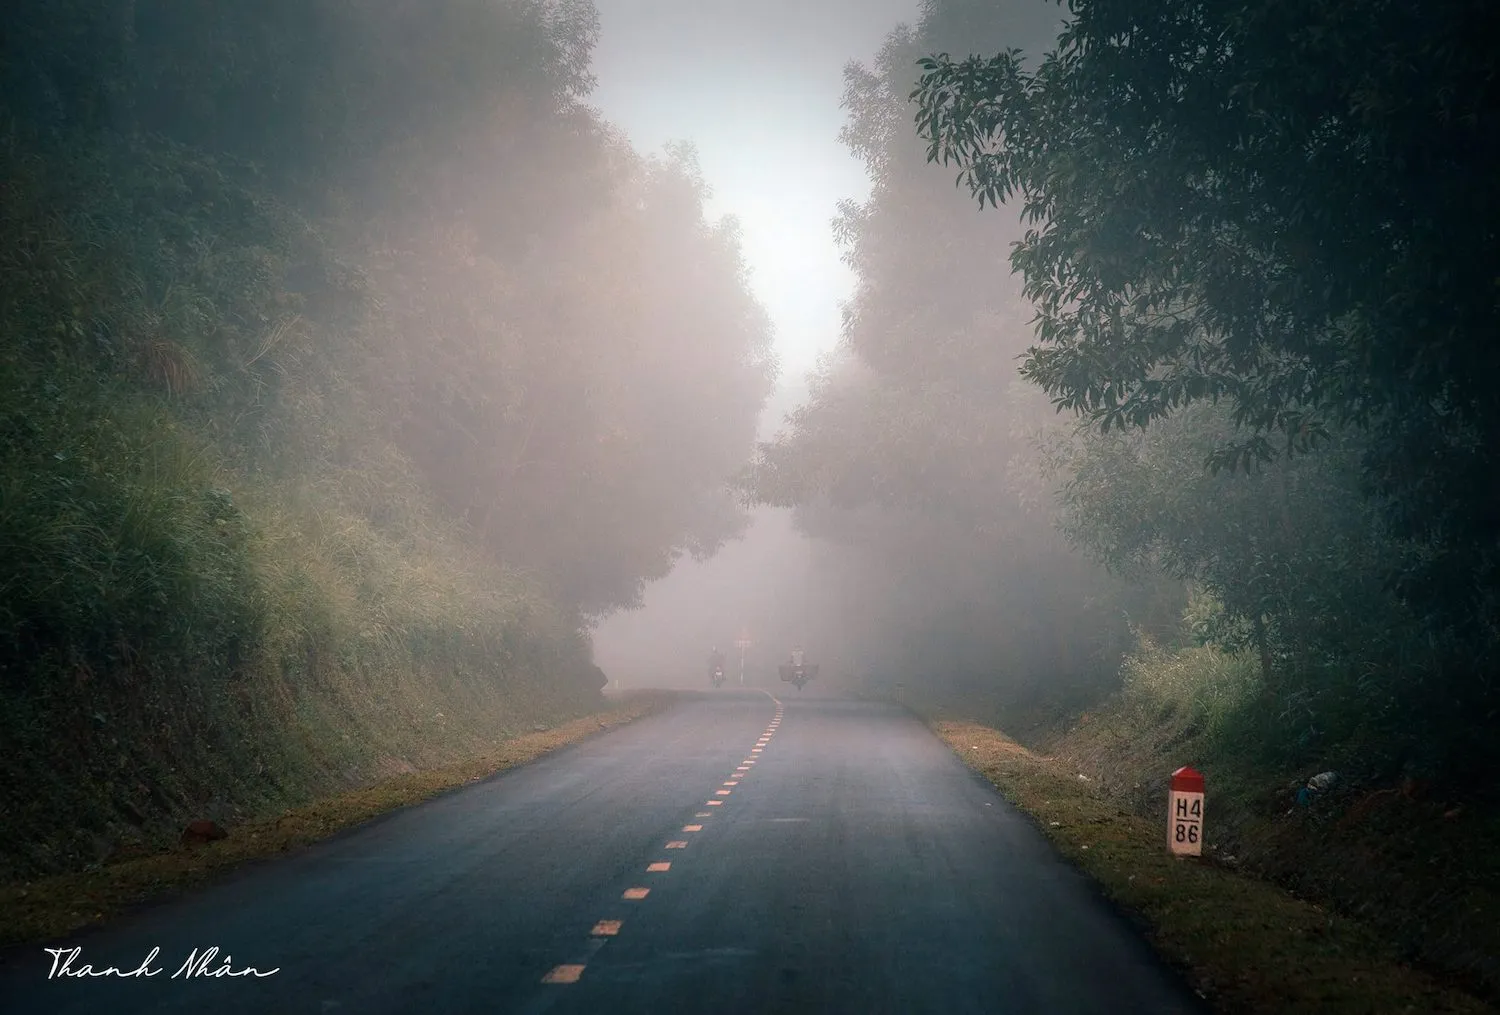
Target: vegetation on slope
(1246, 945)
(1249, 250)
(51, 907)
(1261, 413)
(324, 408)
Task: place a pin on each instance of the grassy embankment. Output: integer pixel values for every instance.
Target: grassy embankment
(1374, 898)
(50, 907)
(224, 592)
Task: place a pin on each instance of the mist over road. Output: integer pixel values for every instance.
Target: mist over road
(824, 855)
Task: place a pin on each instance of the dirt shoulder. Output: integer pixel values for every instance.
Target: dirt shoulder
(1247, 945)
(48, 908)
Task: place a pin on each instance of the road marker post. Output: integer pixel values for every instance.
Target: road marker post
(1185, 813)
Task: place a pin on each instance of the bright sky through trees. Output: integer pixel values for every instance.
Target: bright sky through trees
(756, 87)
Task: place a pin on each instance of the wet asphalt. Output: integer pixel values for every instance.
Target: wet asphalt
(823, 855)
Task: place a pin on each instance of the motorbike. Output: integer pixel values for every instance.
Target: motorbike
(798, 675)
(718, 676)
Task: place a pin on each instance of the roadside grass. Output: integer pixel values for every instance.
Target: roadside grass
(224, 590)
(182, 639)
(48, 908)
(1246, 945)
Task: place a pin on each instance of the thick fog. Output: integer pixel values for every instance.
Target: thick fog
(365, 358)
(776, 121)
(765, 585)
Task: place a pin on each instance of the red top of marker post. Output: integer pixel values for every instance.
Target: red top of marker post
(1187, 780)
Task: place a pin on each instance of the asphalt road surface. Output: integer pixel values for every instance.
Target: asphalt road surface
(731, 855)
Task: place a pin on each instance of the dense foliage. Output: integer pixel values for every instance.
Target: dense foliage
(1287, 206)
(347, 356)
(1258, 244)
(914, 455)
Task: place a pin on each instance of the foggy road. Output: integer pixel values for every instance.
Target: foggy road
(824, 855)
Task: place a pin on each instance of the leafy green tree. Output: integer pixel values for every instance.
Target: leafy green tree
(348, 81)
(403, 205)
(349, 362)
(546, 405)
(1287, 561)
(914, 454)
(1289, 207)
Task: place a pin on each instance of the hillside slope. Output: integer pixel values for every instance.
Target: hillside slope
(329, 414)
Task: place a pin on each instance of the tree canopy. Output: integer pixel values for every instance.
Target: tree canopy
(349, 364)
(913, 454)
(1256, 247)
(1289, 207)
(488, 277)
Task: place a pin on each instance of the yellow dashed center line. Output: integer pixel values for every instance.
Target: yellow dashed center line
(570, 972)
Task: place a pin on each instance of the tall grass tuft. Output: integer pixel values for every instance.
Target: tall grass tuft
(1198, 687)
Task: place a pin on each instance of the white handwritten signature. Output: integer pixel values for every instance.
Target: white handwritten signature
(198, 963)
